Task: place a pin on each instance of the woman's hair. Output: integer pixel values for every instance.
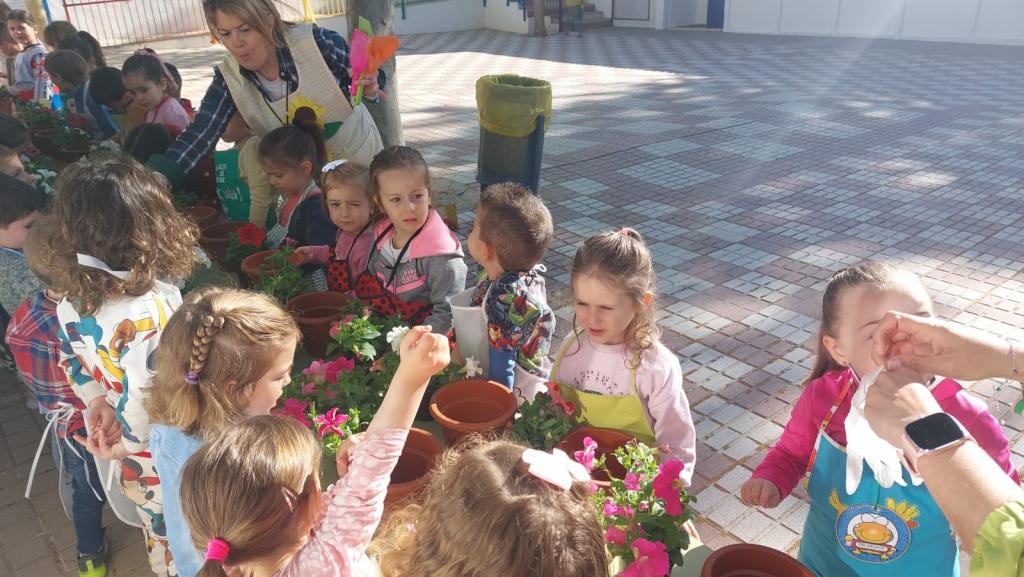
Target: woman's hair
(146, 62)
(21, 16)
(351, 174)
(622, 260)
(86, 46)
(876, 274)
(147, 139)
(13, 132)
(483, 513)
(120, 212)
(57, 31)
(218, 344)
(69, 65)
(262, 15)
(296, 143)
(398, 157)
(255, 487)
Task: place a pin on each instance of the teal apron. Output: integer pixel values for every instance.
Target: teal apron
(896, 532)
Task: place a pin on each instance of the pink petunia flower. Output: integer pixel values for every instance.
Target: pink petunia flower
(309, 388)
(586, 456)
(316, 370)
(331, 422)
(335, 329)
(339, 365)
(296, 410)
(668, 486)
(615, 536)
(651, 560)
(632, 481)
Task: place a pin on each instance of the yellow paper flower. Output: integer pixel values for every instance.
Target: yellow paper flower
(302, 102)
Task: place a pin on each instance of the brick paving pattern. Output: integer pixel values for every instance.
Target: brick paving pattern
(755, 167)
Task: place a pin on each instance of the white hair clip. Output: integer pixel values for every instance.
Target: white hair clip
(333, 164)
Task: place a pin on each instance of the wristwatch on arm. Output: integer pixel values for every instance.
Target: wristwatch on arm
(931, 434)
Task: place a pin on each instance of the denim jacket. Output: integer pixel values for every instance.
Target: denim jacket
(171, 449)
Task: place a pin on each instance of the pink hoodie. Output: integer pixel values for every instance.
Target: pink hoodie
(786, 463)
(360, 250)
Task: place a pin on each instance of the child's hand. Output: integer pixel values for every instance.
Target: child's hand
(423, 355)
(103, 421)
(302, 255)
(760, 493)
(342, 458)
(97, 445)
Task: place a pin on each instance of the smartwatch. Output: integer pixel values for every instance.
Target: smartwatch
(931, 434)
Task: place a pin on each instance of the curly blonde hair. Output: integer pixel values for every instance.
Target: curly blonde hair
(485, 514)
(120, 212)
(227, 339)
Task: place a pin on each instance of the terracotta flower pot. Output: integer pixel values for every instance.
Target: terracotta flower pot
(607, 441)
(743, 560)
(472, 406)
(72, 154)
(411, 474)
(315, 312)
(251, 264)
(203, 216)
(215, 238)
(42, 138)
(7, 106)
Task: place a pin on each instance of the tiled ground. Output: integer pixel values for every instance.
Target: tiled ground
(756, 167)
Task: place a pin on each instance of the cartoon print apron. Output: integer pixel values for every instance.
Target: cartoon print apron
(349, 133)
(621, 412)
(340, 277)
(875, 531)
(381, 294)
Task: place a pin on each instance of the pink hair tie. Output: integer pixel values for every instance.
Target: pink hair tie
(555, 467)
(217, 550)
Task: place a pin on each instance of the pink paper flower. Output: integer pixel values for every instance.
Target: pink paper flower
(651, 560)
(668, 486)
(331, 422)
(632, 481)
(615, 536)
(586, 456)
(295, 409)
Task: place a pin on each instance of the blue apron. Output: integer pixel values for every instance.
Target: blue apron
(898, 531)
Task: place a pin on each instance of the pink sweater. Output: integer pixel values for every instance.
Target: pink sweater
(354, 506)
(786, 463)
(169, 113)
(603, 369)
(360, 250)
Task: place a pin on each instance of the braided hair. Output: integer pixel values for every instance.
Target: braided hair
(201, 347)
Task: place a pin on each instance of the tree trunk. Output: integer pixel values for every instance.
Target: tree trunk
(381, 15)
(539, 26)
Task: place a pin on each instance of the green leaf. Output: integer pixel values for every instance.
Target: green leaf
(1019, 407)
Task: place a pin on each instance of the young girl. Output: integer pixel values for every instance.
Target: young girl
(30, 79)
(486, 508)
(122, 235)
(291, 155)
(252, 496)
(415, 264)
(347, 199)
(612, 365)
(154, 88)
(875, 531)
(225, 355)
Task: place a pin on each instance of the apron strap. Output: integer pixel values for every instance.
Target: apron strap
(828, 418)
(574, 336)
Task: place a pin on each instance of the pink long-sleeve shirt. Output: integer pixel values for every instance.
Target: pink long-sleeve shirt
(597, 368)
(786, 463)
(354, 506)
(360, 245)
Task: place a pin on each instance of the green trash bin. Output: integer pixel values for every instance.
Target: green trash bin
(514, 113)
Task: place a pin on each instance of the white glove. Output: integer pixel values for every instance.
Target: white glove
(862, 444)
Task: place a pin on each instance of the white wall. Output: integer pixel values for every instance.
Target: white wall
(443, 16)
(977, 21)
(498, 16)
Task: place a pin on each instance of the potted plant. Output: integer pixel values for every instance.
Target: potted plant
(745, 559)
(280, 277)
(607, 441)
(645, 513)
(412, 472)
(203, 216)
(472, 406)
(42, 122)
(243, 242)
(318, 314)
(216, 237)
(72, 143)
(43, 170)
(542, 422)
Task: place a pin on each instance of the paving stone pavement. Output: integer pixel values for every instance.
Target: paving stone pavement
(755, 167)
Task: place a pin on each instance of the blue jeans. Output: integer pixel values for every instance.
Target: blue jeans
(86, 509)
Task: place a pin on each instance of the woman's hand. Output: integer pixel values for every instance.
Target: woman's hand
(932, 346)
(896, 399)
(371, 89)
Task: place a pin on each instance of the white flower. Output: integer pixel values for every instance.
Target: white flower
(395, 337)
(201, 257)
(472, 368)
(46, 173)
(108, 145)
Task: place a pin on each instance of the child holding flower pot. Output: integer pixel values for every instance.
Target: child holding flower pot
(225, 356)
(252, 496)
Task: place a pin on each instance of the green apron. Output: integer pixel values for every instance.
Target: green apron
(621, 412)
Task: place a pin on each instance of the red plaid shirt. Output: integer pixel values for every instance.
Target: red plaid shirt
(33, 336)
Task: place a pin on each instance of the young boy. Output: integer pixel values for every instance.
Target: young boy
(106, 87)
(511, 233)
(33, 335)
(69, 71)
(20, 205)
(10, 164)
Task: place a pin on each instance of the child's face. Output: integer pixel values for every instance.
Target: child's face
(22, 32)
(349, 207)
(12, 166)
(601, 309)
(405, 199)
(13, 235)
(146, 92)
(267, 390)
(288, 179)
(62, 83)
(860, 310)
(481, 252)
(10, 48)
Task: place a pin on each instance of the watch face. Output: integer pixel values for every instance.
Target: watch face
(934, 431)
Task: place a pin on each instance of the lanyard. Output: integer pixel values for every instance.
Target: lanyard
(401, 254)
